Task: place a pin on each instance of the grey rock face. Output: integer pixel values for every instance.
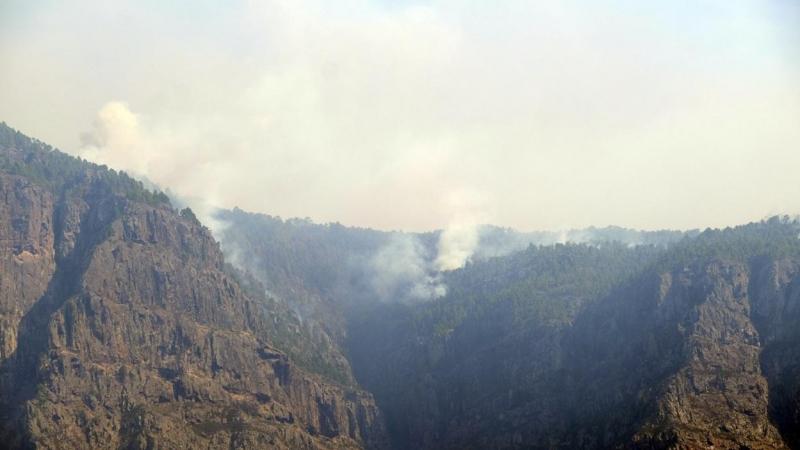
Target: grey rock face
(120, 328)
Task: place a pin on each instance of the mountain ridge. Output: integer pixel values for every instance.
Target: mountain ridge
(125, 324)
(132, 333)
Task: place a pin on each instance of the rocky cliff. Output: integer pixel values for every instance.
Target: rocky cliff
(697, 351)
(122, 327)
(693, 344)
(674, 361)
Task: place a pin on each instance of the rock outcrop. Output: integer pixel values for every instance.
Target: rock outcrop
(704, 355)
(122, 327)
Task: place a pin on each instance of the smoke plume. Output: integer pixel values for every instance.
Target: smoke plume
(402, 271)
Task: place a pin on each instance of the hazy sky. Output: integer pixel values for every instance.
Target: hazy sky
(420, 114)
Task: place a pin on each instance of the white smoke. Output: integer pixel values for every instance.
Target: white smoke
(406, 270)
(115, 138)
(456, 245)
(467, 208)
(403, 100)
(402, 271)
(125, 140)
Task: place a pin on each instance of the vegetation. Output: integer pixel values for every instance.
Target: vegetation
(503, 317)
(776, 237)
(189, 215)
(55, 171)
(282, 252)
(495, 342)
(540, 284)
(307, 346)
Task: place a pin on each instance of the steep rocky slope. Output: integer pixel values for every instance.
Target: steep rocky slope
(698, 350)
(462, 370)
(693, 345)
(672, 360)
(122, 327)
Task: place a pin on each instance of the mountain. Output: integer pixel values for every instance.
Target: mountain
(328, 271)
(689, 348)
(125, 324)
(628, 340)
(121, 326)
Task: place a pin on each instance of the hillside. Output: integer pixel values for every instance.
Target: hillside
(650, 350)
(121, 326)
(683, 343)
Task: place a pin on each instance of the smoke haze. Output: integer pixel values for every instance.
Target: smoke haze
(558, 114)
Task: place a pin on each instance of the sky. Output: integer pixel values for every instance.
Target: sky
(417, 115)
